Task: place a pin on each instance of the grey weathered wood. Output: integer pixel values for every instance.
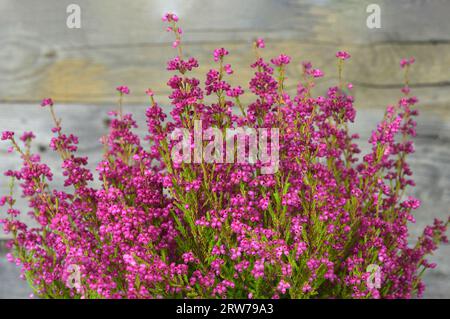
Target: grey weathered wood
(91, 75)
(123, 42)
(11, 286)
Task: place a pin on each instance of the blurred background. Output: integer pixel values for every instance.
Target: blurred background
(123, 42)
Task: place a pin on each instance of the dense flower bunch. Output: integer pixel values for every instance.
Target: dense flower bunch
(158, 228)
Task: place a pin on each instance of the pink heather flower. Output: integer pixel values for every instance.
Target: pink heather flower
(219, 54)
(307, 65)
(283, 286)
(175, 43)
(227, 68)
(170, 17)
(181, 65)
(47, 101)
(10, 258)
(123, 89)
(235, 92)
(350, 86)
(306, 288)
(7, 135)
(188, 257)
(260, 44)
(149, 92)
(343, 55)
(406, 62)
(129, 260)
(282, 59)
(406, 90)
(411, 202)
(317, 73)
(26, 136)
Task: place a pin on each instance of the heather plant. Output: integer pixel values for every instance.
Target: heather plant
(157, 227)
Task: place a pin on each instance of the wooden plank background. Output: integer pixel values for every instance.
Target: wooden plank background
(124, 42)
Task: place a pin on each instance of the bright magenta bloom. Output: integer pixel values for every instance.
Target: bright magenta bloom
(123, 89)
(46, 102)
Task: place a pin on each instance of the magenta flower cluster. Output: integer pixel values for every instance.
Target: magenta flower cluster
(160, 229)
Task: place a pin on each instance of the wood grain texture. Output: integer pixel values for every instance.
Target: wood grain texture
(123, 42)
